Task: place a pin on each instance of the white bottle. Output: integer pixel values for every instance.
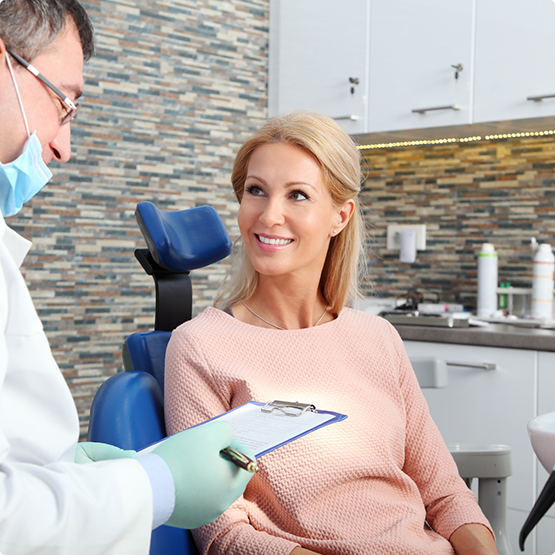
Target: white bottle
(487, 281)
(542, 283)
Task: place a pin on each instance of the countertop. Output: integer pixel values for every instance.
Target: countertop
(495, 335)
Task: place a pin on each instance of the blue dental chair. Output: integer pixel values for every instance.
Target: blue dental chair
(128, 409)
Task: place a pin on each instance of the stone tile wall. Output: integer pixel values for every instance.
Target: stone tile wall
(174, 89)
(498, 191)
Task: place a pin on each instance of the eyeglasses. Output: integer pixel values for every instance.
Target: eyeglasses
(69, 108)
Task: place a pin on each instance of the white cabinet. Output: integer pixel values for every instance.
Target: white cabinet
(316, 46)
(490, 406)
(402, 53)
(546, 403)
(515, 59)
(413, 46)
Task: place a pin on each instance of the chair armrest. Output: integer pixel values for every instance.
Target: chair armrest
(128, 411)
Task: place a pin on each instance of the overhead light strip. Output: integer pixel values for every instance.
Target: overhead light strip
(426, 142)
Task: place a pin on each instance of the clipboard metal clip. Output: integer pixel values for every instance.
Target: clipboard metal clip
(288, 408)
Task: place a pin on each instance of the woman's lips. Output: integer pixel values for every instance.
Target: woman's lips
(272, 243)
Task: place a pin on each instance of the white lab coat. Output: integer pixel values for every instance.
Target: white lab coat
(48, 504)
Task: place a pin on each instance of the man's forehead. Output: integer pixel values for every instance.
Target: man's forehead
(62, 61)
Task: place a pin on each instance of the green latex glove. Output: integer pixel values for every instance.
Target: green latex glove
(88, 451)
(206, 484)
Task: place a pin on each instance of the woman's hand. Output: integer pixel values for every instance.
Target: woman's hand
(302, 551)
(473, 539)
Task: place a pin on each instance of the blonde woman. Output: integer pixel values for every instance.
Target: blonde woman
(382, 481)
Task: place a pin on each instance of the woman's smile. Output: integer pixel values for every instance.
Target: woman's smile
(269, 243)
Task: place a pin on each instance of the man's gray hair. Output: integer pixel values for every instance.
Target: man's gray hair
(29, 26)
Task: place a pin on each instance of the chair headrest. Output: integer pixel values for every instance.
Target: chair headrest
(183, 240)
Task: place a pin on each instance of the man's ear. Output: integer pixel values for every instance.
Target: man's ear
(3, 55)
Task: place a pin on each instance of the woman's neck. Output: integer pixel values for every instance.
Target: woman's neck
(283, 304)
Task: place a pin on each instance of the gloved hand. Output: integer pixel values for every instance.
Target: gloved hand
(206, 484)
(88, 451)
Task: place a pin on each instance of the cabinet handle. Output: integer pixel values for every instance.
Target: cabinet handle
(482, 365)
(424, 110)
(540, 98)
(352, 118)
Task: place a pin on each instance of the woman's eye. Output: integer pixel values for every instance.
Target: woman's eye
(298, 195)
(254, 190)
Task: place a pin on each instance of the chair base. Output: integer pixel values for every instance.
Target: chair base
(491, 465)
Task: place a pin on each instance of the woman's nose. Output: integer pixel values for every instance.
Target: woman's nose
(60, 145)
(273, 213)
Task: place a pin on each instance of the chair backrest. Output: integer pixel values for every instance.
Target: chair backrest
(128, 409)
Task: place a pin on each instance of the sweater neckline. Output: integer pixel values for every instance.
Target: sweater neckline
(314, 329)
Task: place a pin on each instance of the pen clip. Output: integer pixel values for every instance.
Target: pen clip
(295, 408)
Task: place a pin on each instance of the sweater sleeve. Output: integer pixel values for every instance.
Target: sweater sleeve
(192, 395)
(448, 501)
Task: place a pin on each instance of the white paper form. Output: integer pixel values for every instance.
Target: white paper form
(263, 432)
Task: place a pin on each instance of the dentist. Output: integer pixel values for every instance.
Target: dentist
(49, 505)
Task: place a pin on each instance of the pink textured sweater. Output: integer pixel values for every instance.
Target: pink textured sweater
(366, 485)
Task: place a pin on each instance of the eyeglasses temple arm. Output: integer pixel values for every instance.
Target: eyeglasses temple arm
(39, 75)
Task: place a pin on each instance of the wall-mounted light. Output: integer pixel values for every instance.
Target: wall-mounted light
(457, 140)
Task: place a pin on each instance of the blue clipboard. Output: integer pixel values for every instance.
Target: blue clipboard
(264, 427)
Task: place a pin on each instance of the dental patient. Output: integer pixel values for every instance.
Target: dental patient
(380, 482)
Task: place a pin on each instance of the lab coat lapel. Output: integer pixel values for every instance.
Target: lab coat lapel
(17, 246)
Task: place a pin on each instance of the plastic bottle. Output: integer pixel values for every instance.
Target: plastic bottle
(542, 283)
(503, 296)
(487, 281)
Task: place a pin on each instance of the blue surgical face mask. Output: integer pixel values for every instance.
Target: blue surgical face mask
(23, 178)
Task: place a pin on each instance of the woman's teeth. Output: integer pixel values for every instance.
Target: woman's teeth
(268, 241)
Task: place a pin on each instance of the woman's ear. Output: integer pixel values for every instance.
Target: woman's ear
(344, 214)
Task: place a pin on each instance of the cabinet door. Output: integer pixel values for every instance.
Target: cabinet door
(546, 403)
(413, 46)
(316, 46)
(489, 406)
(515, 59)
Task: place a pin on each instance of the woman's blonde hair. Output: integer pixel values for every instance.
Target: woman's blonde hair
(339, 160)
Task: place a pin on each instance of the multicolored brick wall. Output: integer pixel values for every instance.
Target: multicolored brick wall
(499, 191)
(174, 89)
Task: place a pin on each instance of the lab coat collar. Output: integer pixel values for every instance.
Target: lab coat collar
(17, 245)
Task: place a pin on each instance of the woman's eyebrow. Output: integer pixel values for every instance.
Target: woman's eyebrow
(288, 185)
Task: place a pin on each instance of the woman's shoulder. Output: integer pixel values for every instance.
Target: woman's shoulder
(211, 321)
(355, 317)
(368, 327)
(208, 318)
